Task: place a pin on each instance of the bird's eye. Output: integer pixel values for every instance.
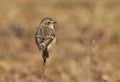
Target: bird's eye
(48, 22)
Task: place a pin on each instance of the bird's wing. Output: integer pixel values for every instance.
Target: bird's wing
(38, 38)
(44, 36)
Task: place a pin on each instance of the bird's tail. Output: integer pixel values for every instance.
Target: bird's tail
(45, 55)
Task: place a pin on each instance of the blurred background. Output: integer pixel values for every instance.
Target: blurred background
(88, 41)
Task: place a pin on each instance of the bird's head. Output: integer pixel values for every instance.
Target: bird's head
(47, 22)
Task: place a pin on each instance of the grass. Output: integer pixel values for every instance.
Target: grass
(116, 35)
(79, 22)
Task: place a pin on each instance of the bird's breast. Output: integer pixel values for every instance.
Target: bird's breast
(52, 43)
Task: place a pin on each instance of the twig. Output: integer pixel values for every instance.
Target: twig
(89, 59)
(43, 70)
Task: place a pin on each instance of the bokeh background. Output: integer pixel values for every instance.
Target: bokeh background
(87, 47)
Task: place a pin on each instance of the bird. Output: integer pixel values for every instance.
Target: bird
(45, 36)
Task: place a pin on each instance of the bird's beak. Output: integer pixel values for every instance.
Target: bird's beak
(54, 22)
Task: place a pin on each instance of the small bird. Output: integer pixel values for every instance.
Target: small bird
(45, 36)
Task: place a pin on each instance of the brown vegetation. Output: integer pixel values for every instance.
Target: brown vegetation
(88, 41)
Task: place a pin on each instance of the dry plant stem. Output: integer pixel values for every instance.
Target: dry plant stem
(89, 59)
(43, 70)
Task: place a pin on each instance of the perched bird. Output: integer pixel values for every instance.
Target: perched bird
(45, 36)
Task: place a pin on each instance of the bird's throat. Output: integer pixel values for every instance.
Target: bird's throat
(52, 26)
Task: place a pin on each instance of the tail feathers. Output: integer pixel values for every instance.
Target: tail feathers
(45, 55)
